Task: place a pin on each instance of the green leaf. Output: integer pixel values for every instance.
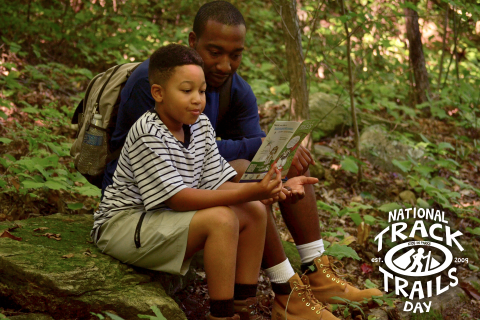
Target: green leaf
(99, 315)
(75, 206)
(113, 316)
(54, 185)
(332, 209)
(389, 207)
(475, 231)
(349, 164)
(30, 110)
(158, 313)
(5, 140)
(474, 219)
(340, 252)
(473, 267)
(89, 191)
(3, 115)
(369, 219)
(370, 285)
(357, 219)
(405, 166)
(32, 184)
(422, 203)
(445, 145)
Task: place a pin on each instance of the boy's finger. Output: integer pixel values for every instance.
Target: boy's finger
(270, 172)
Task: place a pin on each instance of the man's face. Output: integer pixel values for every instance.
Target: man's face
(220, 47)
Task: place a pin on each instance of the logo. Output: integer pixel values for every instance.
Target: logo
(418, 259)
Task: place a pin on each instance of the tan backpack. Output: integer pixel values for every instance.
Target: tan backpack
(103, 97)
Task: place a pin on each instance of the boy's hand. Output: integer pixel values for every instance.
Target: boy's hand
(296, 186)
(302, 159)
(267, 188)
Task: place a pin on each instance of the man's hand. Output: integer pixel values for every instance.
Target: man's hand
(296, 187)
(300, 162)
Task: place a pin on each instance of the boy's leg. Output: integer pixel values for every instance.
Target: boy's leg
(216, 230)
(252, 222)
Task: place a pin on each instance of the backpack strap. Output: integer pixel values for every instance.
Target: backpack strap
(224, 99)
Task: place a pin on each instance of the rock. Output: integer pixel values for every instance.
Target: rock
(323, 152)
(379, 314)
(408, 196)
(443, 301)
(381, 148)
(333, 112)
(37, 278)
(31, 316)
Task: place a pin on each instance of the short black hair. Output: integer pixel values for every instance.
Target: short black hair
(219, 11)
(164, 60)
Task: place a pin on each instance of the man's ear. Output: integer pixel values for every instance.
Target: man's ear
(192, 40)
(157, 92)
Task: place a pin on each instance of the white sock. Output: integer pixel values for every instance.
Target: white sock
(310, 251)
(280, 273)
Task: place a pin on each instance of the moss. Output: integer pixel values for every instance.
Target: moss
(293, 256)
(39, 279)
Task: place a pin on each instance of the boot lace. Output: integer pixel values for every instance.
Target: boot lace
(335, 270)
(309, 298)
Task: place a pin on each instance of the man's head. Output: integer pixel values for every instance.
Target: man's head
(218, 36)
(177, 84)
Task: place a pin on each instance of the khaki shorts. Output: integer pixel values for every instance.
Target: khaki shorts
(163, 239)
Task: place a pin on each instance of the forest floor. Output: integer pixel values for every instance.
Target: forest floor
(31, 128)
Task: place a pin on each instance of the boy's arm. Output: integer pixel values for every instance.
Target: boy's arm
(227, 194)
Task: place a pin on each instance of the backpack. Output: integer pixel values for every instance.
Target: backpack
(103, 97)
(103, 94)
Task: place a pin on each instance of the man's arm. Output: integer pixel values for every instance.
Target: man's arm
(240, 126)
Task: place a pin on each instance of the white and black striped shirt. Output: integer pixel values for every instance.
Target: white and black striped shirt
(154, 166)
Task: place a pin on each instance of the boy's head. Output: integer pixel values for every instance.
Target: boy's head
(218, 36)
(177, 85)
(165, 59)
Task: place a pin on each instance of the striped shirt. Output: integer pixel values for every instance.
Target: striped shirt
(154, 166)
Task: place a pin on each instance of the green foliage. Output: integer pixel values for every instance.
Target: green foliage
(341, 251)
(158, 315)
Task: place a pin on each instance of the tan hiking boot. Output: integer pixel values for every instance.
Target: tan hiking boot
(210, 317)
(325, 283)
(300, 304)
(247, 309)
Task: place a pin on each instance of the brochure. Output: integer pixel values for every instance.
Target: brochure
(278, 147)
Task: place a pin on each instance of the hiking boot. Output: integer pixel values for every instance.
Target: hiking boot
(210, 317)
(247, 309)
(326, 283)
(300, 303)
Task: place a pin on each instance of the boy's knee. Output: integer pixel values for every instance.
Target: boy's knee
(223, 218)
(257, 212)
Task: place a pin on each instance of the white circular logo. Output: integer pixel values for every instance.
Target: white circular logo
(410, 263)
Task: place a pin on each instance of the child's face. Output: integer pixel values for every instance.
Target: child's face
(181, 99)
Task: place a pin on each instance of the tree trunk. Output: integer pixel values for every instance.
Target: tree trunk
(422, 87)
(295, 66)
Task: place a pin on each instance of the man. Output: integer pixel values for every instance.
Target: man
(219, 36)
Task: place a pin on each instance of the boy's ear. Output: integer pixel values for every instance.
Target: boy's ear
(192, 40)
(157, 92)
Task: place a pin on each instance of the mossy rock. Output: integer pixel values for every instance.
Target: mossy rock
(36, 276)
(292, 254)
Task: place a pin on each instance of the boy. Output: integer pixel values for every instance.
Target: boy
(171, 197)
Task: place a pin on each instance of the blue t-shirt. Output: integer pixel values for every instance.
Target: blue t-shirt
(239, 128)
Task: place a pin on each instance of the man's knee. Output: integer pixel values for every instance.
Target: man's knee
(240, 165)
